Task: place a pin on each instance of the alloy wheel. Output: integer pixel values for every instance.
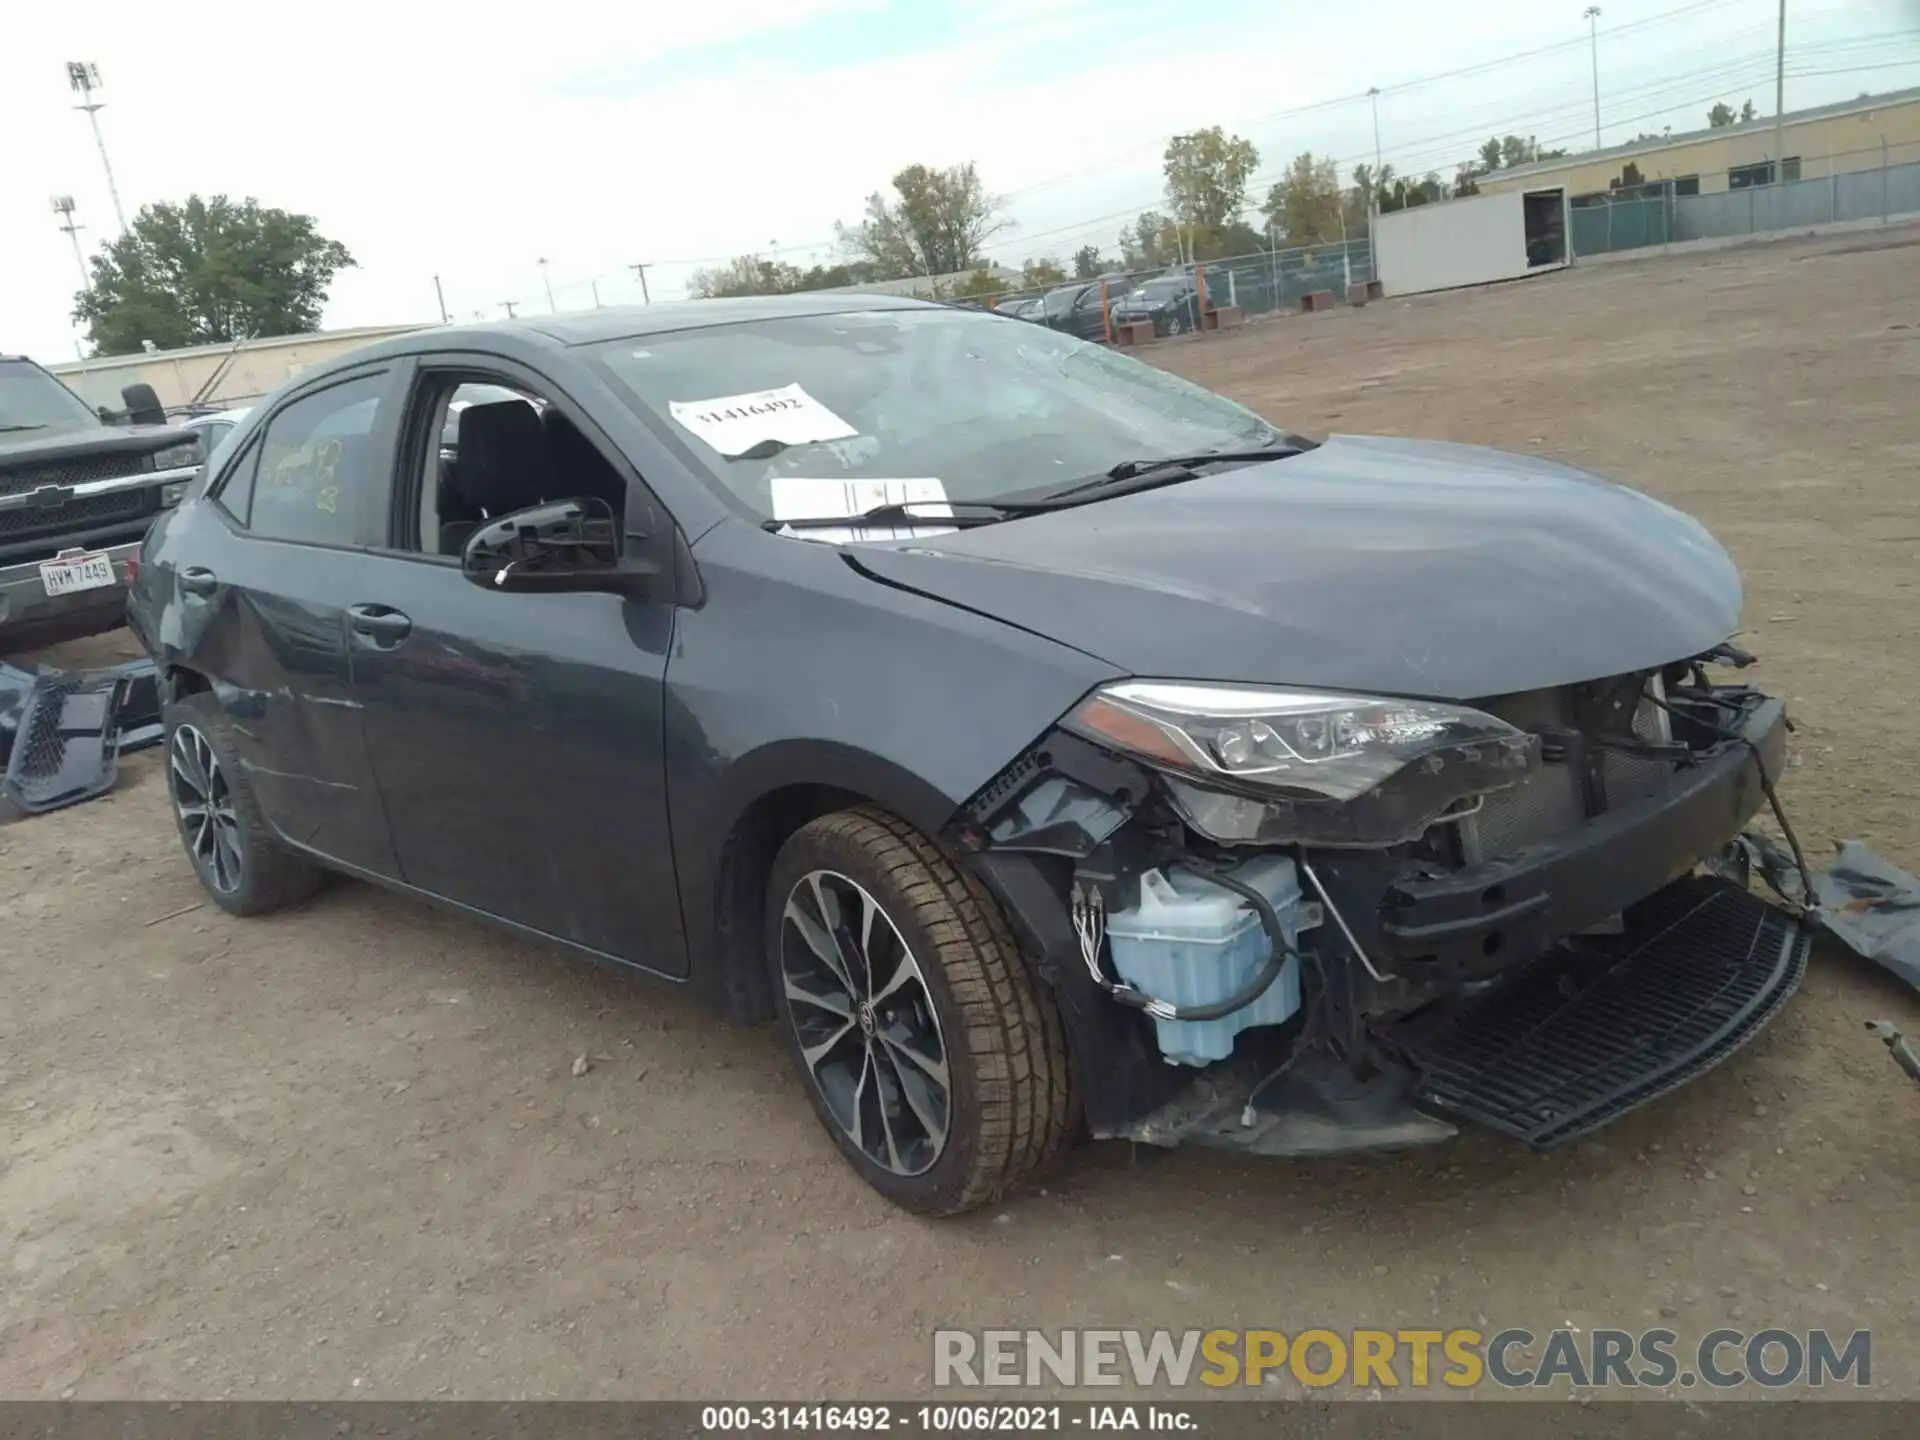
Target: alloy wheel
(204, 806)
(869, 1034)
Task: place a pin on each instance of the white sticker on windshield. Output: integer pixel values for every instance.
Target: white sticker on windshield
(734, 425)
(800, 497)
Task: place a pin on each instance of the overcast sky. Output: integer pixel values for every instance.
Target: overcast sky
(469, 143)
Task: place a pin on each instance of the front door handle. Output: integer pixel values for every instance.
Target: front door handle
(198, 580)
(380, 623)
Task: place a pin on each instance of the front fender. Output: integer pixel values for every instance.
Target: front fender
(800, 671)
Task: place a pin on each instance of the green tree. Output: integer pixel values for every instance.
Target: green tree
(1722, 114)
(1304, 205)
(835, 277)
(1041, 273)
(980, 284)
(1747, 112)
(1150, 242)
(1466, 180)
(1087, 262)
(205, 271)
(938, 223)
(746, 275)
(1207, 174)
(1490, 154)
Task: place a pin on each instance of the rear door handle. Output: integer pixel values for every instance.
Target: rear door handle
(380, 623)
(198, 580)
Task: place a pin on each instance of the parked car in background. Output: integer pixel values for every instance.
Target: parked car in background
(212, 427)
(76, 495)
(1022, 307)
(1171, 302)
(1142, 768)
(1076, 309)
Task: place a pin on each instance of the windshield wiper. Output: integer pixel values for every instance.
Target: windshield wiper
(1131, 476)
(908, 513)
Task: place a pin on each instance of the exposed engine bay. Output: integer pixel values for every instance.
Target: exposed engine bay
(1301, 923)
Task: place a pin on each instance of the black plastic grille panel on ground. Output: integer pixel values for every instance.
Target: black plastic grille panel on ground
(1578, 1040)
(66, 749)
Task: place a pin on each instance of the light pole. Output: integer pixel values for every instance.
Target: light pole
(1373, 94)
(63, 207)
(546, 280)
(1592, 17)
(441, 296)
(83, 78)
(1780, 100)
(641, 271)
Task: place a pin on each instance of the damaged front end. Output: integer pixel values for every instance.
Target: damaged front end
(1297, 923)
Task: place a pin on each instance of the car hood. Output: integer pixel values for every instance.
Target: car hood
(1397, 566)
(36, 447)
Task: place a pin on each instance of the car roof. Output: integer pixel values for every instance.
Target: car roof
(624, 322)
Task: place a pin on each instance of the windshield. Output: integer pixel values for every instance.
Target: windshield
(31, 399)
(1162, 289)
(982, 406)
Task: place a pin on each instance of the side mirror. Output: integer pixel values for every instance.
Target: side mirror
(143, 405)
(560, 545)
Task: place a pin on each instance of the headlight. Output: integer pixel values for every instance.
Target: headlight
(1247, 765)
(179, 457)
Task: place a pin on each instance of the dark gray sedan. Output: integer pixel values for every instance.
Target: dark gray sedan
(1046, 744)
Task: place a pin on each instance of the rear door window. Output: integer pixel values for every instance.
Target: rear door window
(317, 472)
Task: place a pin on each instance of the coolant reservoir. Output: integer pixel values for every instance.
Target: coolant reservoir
(1192, 942)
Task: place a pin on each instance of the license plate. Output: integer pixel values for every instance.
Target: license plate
(78, 570)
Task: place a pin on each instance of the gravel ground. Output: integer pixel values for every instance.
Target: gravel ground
(342, 1151)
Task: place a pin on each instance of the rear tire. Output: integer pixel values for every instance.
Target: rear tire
(893, 971)
(244, 869)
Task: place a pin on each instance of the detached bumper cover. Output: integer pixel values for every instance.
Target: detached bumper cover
(62, 733)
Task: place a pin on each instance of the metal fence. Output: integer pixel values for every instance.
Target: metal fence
(1879, 193)
(1259, 283)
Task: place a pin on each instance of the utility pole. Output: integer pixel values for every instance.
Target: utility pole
(1592, 17)
(508, 305)
(441, 296)
(546, 280)
(596, 293)
(1780, 100)
(83, 78)
(641, 271)
(1373, 94)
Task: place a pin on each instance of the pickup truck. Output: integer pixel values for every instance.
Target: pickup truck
(77, 493)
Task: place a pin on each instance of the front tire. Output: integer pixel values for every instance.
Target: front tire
(930, 1053)
(242, 867)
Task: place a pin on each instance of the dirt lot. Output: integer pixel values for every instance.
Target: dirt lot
(341, 1152)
